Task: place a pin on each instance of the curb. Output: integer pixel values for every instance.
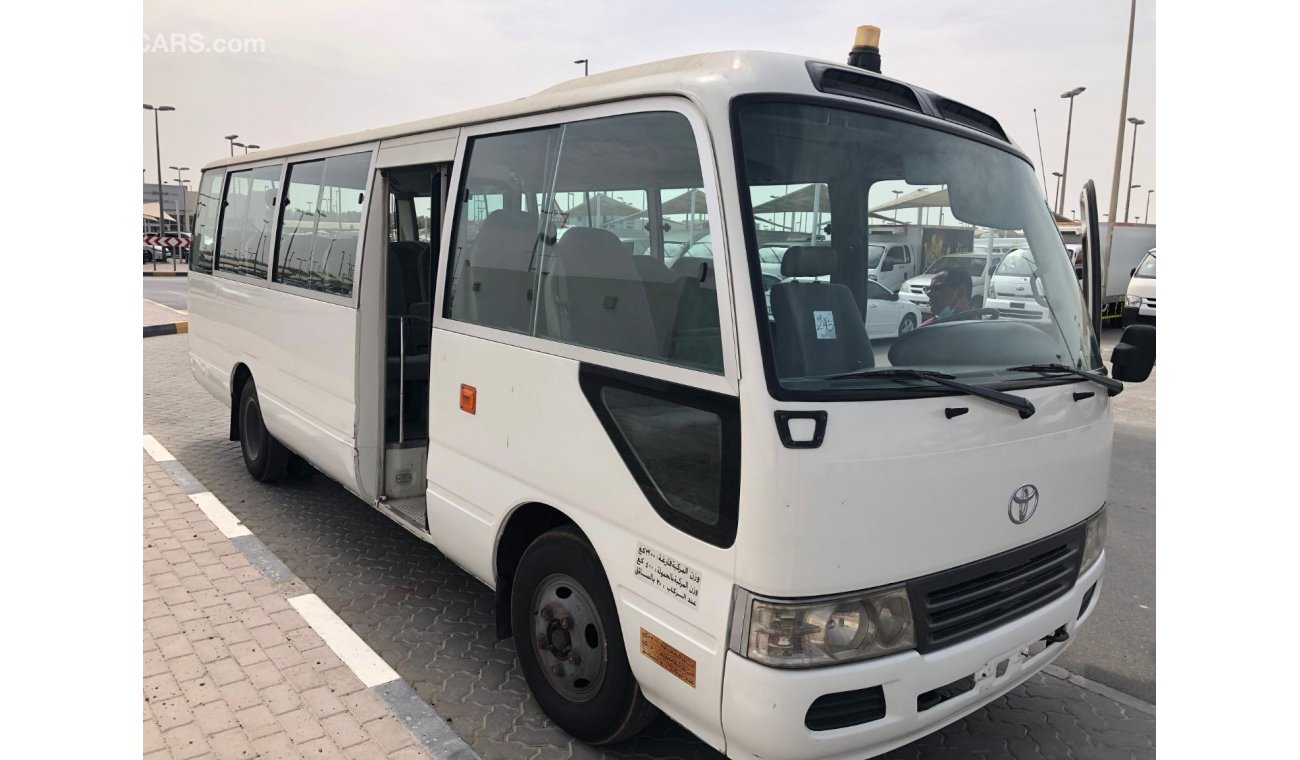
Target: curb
(153, 331)
(413, 713)
(166, 274)
(1128, 700)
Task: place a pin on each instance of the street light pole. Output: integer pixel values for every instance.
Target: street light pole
(231, 138)
(157, 145)
(1069, 124)
(1136, 122)
(250, 146)
(1057, 193)
(1147, 214)
(1119, 149)
(584, 63)
(180, 169)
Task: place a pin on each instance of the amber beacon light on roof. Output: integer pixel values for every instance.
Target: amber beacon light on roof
(866, 49)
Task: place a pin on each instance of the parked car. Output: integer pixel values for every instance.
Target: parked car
(978, 264)
(1140, 299)
(891, 265)
(1014, 290)
(154, 253)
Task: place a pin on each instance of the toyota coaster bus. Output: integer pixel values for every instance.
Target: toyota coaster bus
(695, 487)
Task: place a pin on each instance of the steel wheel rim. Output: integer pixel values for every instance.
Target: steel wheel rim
(568, 638)
(251, 433)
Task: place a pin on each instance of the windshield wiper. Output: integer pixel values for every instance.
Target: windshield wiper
(1113, 387)
(1020, 404)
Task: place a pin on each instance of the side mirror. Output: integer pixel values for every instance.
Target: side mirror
(893, 296)
(1135, 354)
(1132, 271)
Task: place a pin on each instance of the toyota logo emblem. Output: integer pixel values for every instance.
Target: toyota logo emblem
(1023, 504)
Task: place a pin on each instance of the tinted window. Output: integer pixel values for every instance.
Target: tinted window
(204, 239)
(245, 242)
(549, 228)
(879, 292)
(323, 206)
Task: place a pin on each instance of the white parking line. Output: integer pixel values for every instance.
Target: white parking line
(223, 518)
(355, 653)
(156, 450)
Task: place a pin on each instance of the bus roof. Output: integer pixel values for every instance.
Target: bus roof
(701, 77)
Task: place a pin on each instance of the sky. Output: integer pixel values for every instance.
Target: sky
(316, 69)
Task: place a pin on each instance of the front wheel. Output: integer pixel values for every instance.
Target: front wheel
(907, 325)
(569, 642)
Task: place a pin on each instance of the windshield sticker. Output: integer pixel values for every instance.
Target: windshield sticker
(825, 324)
(668, 574)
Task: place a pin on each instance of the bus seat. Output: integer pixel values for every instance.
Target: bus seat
(696, 336)
(600, 300)
(818, 329)
(500, 269)
(663, 292)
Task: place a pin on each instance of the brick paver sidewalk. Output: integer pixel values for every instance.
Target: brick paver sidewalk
(157, 314)
(231, 670)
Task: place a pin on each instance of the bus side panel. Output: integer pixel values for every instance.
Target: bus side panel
(302, 353)
(534, 438)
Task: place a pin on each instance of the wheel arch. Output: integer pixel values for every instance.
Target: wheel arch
(519, 529)
(239, 375)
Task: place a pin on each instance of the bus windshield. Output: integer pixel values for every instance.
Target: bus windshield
(965, 202)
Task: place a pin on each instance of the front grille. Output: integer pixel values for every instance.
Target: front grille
(1151, 302)
(846, 708)
(1018, 314)
(958, 604)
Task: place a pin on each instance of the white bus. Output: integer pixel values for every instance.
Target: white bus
(694, 488)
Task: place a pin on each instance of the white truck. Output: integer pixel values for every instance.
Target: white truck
(897, 253)
(1129, 245)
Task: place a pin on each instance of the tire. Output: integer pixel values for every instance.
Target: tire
(907, 325)
(594, 697)
(266, 458)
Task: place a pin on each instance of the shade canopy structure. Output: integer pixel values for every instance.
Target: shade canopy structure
(151, 212)
(915, 199)
(604, 206)
(799, 200)
(682, 204)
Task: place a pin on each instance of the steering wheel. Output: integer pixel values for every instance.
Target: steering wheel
(964, 316)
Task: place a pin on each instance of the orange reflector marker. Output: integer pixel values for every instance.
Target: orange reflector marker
(468, 398)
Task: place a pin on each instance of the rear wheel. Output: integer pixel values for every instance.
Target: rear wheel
(569, 642)
(264, 456)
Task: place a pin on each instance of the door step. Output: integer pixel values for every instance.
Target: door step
(411, 510)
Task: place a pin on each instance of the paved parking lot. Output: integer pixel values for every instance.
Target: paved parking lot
(433, 623)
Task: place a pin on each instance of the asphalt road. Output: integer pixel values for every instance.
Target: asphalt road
(168, 291)
(1118, 647)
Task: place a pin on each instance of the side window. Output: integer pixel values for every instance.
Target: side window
(321, 223)
(249, 211)
(204, 239)
(878, 292)
(558, 256)
(679, 444)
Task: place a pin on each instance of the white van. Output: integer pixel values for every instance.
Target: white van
(1140, 300)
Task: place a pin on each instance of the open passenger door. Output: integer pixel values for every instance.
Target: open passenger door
(1092, 285)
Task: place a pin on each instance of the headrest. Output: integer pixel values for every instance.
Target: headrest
(593, 239)
(808, 261)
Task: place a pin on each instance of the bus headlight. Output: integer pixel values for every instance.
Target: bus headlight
(1133, 301)
(802, 634)
(1094, 540)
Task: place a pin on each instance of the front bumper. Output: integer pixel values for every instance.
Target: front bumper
(764, 709)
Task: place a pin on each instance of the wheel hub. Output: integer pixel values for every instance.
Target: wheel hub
(568, 638)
